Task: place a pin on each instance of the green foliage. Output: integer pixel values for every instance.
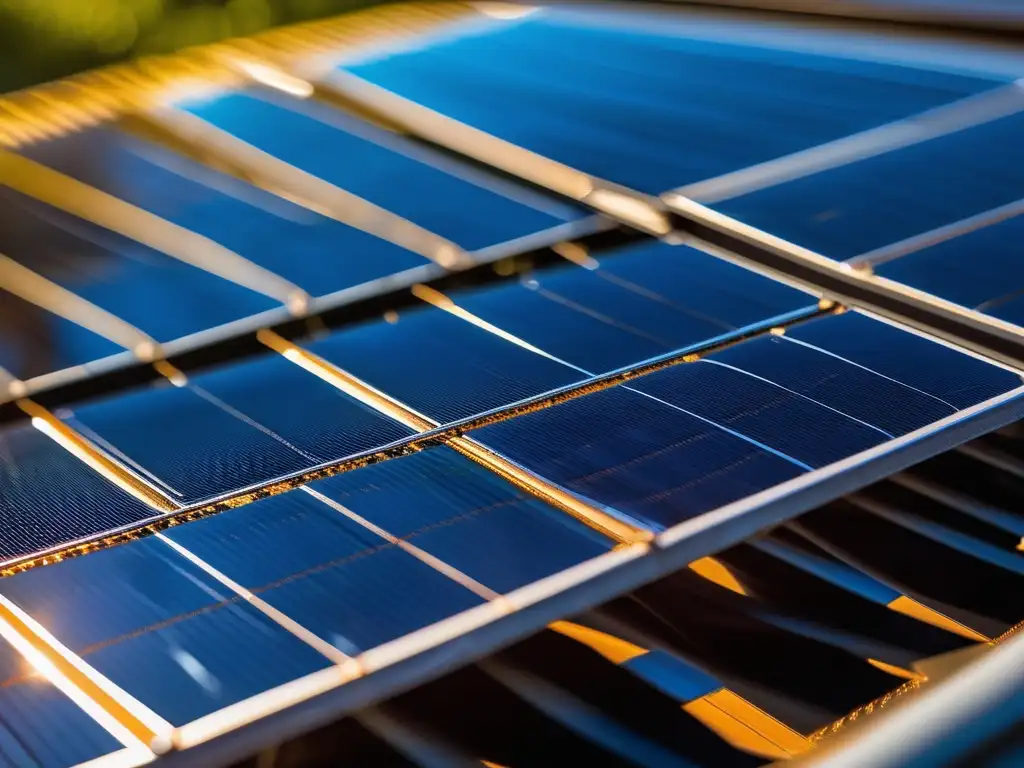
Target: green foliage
(44, 39)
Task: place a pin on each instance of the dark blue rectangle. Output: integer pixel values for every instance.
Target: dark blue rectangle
(981, 270)
(349, 586)
(466, 516)
(384, 170)
(316, 253)
(48, 497)
(639, 456)
(161, 629)
(442, 366)
(649, 109)
(916, 364)
(639, 303)
(237, 426)
(778, 418)
(857, 208)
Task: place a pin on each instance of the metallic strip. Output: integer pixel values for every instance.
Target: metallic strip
(392, 112)
(941, 234)
(133, 724)
(72, 196)
(940, 121)
(97, 459)
(840, 282)
(211, 146)
(36, 289)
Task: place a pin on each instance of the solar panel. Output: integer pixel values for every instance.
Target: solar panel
(393, 399)
(637, 108)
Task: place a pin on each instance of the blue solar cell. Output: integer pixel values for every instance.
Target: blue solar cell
(699, 285)
(780, 419)
(162, 296)
(648, 300)
(942, 373)
(48, 497)
(236, 426)
(623, 104)
(595, 341)
(33, 711)
(858, 392)
(161, 629)
(981, 270)
(344, 583)
(392, 175)
(317, 253)
(637, 455)
(442, 366)
(467, 516)
(859, 207)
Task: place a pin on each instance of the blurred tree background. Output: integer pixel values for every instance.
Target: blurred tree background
(44, 39)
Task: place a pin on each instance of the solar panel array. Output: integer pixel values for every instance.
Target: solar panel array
(400, 398)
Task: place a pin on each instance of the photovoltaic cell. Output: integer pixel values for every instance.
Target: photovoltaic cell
(326, 143)
(347, 585)
(939, 372)
(34, 711)
(316, 253)
(746, 418)
(622, 104)
(247, 423)
(647, 301)
(161, 296)
(698, 285)
(440, 365)
(981, 270)
(161, 629)
(48, 497)
(793, 425)
(467, 516)
(857, 208)
(639, 456)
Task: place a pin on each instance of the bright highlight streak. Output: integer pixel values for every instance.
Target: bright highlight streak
(272, 77)
(505, 11)
(279, 618)
(629, 209)
(439, 300)
(133, 724)
(94, 458)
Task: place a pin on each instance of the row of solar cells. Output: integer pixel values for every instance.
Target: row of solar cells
(613, 103)
(662, 449)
